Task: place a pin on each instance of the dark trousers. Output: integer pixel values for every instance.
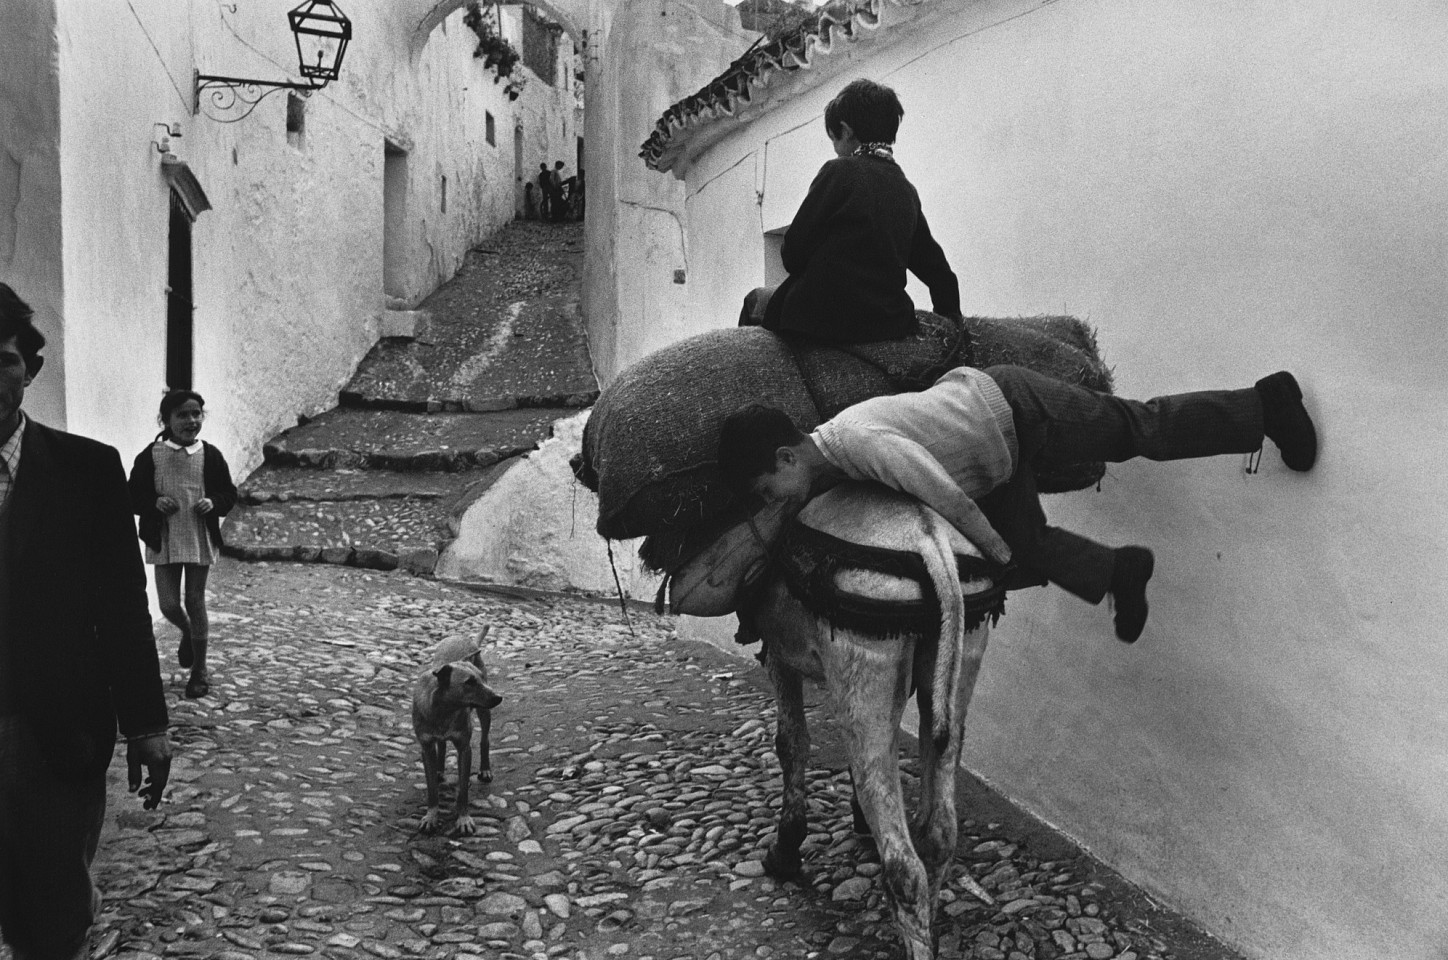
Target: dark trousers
(1057, 421)
(49, 830)
(756, 301)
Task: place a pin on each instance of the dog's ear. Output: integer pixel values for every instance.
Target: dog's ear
(443, 674)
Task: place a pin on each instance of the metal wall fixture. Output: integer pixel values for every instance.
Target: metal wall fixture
(322, 33)
(162, 141)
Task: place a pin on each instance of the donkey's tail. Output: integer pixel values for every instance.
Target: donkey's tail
(939, 559)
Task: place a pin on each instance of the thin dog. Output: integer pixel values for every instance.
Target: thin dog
(444, 699)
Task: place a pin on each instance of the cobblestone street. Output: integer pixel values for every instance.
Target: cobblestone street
(635, 793)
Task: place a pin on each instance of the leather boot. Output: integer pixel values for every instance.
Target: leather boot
(199, 685)
(1285, 420)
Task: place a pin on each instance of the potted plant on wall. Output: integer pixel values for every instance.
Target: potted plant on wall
(494, 50)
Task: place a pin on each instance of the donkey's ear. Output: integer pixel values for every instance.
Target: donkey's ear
(443, 674)
(483, 633)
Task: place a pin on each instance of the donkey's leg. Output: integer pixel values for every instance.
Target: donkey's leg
(791, 743)
(862, 826)
(869, 683)
(937, 827)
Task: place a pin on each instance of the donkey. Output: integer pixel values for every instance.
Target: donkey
(832, 611)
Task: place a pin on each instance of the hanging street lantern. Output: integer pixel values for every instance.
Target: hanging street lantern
(322, 32)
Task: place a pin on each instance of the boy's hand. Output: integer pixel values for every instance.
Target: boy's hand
(167, 506)
(204, 506)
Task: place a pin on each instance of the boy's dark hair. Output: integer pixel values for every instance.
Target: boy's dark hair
(872, 110)
(16, 321)
(748, 440)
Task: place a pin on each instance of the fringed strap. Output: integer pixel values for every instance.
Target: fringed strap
(809, 560)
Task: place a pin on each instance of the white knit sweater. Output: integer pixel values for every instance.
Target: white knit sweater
(945, 445)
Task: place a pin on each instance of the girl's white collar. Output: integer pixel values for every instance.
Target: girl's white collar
(193, 449)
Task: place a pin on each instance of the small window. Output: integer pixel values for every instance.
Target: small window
(444, 194)
(296, 120)
(492, 132)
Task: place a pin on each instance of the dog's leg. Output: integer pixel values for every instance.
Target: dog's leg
(869, 682)
(485, 761)
(791, 743)
(465, 825)
(432, 772)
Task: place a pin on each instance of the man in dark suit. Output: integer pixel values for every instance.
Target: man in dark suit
(77, 660)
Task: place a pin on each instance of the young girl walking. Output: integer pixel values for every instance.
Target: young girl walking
(181, 488)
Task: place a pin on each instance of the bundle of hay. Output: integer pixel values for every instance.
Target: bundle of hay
(650, 444)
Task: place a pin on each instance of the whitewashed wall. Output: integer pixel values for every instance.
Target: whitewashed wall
(288, 263)
(30, 236)
(642, 58)
(1223, 191)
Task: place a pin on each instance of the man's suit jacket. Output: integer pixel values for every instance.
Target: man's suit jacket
(82, 650)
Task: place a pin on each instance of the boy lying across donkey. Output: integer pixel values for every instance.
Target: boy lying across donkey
(968, 447)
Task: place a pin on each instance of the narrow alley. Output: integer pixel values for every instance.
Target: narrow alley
(430, 422)
(636, 785)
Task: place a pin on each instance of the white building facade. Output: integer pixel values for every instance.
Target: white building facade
(1223, 191)
(325, 210)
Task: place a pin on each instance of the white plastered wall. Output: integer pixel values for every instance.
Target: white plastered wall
(1223, 192)
(641, 58)
(288, 263)
(30, 187)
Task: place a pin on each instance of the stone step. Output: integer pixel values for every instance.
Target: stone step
(395, 440)
(334, 531)
(271, 484)
(558, 401)
(378, 519)
(484, 351)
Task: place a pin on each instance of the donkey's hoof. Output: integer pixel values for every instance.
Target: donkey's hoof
(781, 865)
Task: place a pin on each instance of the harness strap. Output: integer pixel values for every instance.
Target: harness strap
(809, 559)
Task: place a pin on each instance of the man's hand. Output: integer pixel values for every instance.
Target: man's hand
(153, 753)
(167, 506)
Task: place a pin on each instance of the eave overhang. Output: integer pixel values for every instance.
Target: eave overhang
(770, 73)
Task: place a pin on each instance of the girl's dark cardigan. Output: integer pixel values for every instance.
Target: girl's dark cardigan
(215, 481)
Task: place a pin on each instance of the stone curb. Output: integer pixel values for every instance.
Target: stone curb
(421, 560)
(564, 401)
(511, 591)
(439, 461)
(253, 498)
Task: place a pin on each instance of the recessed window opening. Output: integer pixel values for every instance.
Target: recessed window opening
(444, 194)
(296, 120)
(492, 130)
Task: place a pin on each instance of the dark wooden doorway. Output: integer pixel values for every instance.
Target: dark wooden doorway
(180, 335)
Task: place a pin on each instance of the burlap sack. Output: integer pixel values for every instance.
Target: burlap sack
(649, 446)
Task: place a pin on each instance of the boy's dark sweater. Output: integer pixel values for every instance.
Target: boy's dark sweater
(858, 230)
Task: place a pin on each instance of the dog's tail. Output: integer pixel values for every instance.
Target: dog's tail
(939, 557)
(477, 656)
